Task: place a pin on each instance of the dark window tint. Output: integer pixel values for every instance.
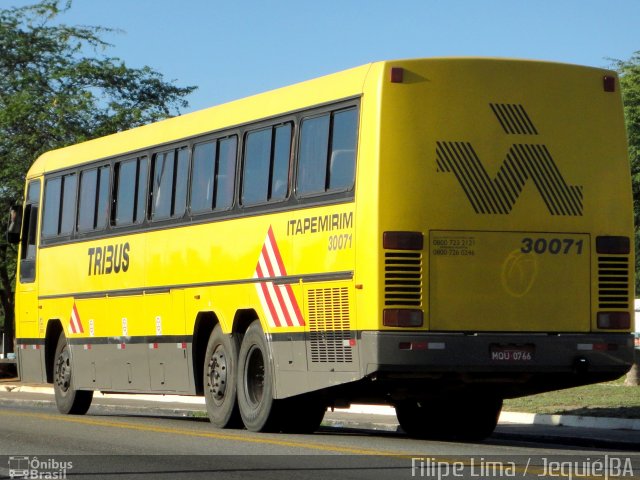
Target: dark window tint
(312, 160)
(52, 192)
(130, 191)
(280, 166)
(255, 179)
(204, 157)
(266, 165)
(213, 175)
(93, 199)
(170, 178)
(226, 172)
(102, 198)
(69, 185)
(162, 185)
(181, 181)
(29, 233)
(33, 192)
(87, 200)
(326, 160)
(59, 205)
(343, 149)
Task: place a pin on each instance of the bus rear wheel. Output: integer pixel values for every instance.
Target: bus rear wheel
(219, 380)
(258, 408)
(450, 419)
(68, 400)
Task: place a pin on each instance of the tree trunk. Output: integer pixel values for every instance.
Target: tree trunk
(633, 377)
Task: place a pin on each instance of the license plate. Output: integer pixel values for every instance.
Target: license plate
(511, 353)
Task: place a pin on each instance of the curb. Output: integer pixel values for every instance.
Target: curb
(387, 424)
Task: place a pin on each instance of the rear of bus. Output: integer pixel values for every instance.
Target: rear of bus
(504, 224)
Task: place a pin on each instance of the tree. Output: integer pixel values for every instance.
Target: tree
(58, 87)
(629, 72)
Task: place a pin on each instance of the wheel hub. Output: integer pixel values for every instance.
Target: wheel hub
(63, 371)
(218, 374)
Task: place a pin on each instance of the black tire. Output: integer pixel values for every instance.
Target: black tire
(220, 380)
(258, 408)
(450, 419)
(68, 400)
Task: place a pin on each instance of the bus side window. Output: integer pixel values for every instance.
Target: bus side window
(129, 192)
(343, 149)
(169, 184)
(204, 157)
(327, 153)
(225, 173)
(265, 175)
(93, 199)
(255, 171)
(59, 205)
(52, 193)
(312, 159)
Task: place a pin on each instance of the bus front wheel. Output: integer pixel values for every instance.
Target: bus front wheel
(68, 399)
(219, 381)
(255, 382)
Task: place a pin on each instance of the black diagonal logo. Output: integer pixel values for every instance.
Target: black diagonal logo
(523, 162)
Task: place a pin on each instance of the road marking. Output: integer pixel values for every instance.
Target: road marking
(214, 435)
(531, 470)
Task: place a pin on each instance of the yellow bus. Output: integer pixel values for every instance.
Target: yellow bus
(432, 234)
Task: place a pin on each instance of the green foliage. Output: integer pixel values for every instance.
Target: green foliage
(629, 71)
(58, 87)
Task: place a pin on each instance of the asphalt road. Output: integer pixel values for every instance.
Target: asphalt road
(113, 443)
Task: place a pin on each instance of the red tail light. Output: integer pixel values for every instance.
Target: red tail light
(403, 240)
(614, 320)
(613, 245)
(396, 317)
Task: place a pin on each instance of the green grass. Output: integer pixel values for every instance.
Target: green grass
(610, 399)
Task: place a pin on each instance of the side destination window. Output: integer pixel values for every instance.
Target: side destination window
(265, 175)
(93, 199)
(170, 173)
(59, 205)
(213, 175)
(129, 192)
(327, 153)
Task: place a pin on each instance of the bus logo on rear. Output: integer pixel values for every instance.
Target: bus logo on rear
(523, 162)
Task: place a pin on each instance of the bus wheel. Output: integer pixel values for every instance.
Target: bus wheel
(68, 399)
(220, 380)
(255, 382)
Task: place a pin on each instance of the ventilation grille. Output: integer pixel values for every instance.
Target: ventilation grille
(613, 282)
(514, 119)
(403, 278)
(329, 325)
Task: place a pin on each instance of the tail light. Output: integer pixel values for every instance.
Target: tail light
(402, 317)
(614, 320)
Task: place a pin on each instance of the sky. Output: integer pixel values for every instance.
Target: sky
(231, 49)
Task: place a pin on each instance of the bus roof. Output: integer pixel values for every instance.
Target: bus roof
(318, 91)
(345, 84)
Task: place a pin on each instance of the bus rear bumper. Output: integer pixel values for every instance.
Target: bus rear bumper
(415, 352)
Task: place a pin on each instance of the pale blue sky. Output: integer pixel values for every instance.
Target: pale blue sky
(231, 49)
